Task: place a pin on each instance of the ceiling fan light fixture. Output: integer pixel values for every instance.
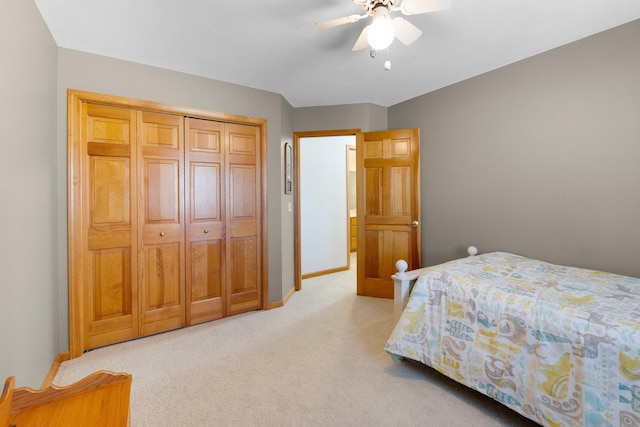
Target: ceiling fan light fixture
(380, 33)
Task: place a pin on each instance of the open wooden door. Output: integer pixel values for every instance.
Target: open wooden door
(388, 214)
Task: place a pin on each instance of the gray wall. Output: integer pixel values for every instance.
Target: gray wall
(286, 216)
(367, 117)
(540, 158)
(89, 72)
(28, 302)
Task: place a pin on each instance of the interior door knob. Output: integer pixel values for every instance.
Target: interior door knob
(415, 224)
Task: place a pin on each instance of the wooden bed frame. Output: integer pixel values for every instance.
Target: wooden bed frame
(403, 282)
(98, 400)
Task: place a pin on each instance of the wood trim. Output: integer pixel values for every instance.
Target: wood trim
(139, 104)
(348, 212)
(323, 272)
(319, 133)
(283, 302)
(275, 304)
(297, 256)
(62, 357)
(287, 297)
(265, 222)
(360, 212)
(77, 334)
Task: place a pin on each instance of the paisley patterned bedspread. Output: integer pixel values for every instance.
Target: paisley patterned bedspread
(560, 345)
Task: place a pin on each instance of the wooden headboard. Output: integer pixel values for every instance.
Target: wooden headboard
(99, 400)
(403, 282)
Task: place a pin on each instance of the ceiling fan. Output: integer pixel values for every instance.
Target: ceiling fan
(383, 29)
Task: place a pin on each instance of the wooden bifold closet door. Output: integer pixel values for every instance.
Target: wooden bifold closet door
(205, 226)
(223, 227)
(107, 299)
(165, 222)
(160, 198)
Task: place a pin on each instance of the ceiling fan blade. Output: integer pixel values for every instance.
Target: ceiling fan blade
(339, 21)
(405, 31)
(362, 41)
(414, 7)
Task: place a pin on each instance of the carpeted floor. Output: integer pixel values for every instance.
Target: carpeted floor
(318, 361)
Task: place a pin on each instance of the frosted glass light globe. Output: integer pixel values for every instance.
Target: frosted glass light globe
(380, 33)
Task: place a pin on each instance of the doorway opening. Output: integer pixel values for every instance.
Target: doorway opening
(388, 207)
(325, 201)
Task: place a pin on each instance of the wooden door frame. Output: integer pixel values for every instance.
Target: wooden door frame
(75, 100)
(297, 254)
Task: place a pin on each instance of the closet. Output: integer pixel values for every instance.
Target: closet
(165, 218)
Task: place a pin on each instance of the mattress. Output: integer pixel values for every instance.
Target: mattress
(559, 345)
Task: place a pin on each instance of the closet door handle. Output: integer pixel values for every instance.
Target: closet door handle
(161, 233)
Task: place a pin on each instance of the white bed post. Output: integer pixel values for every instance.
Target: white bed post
(403, 281)
(401, 288)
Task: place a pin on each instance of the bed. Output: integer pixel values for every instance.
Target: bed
(98, 400)
(559, 345)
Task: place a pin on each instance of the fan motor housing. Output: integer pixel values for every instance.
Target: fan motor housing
(369, 5)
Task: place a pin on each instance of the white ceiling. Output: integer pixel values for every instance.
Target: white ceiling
(273, 44)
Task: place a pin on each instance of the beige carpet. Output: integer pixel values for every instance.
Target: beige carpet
(318, 361)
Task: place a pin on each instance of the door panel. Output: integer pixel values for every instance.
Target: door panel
(243, 254)
(204, 229)
(373, 190)
(205, 271)
(111, 313)
(111, 285)
(205, 186)
(388, 203)
(161, 181)
(242, 202)
(161, 237)
(110, 186)
(163, 271)
(243, 274)
(108, 301)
